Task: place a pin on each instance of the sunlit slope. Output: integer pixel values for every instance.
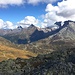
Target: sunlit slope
(12, 53)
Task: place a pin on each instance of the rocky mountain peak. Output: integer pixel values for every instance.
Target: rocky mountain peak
(70, 25)
(32, 26)
(19, 27)
(66, 23)
(67, 31)
(58, 23)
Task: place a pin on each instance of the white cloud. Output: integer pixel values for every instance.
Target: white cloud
(34, 2)
(28, 20)
(5, 3)
(6, 25)
(9, 25)
(1, 23)
(64, 10)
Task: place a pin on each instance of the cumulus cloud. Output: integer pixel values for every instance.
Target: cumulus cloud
(1, 23)
(28, 20)
(64, 10)
(5, 3)
(9, 25)
(6, 25)
(34, 2)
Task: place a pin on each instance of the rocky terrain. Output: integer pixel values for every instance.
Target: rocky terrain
(27, 35)
(67, 32)
(38, 51)
(56, 63)
(33, 33)
(8, 50)
(62, 38)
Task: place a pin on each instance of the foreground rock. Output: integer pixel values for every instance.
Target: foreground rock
(56, 63)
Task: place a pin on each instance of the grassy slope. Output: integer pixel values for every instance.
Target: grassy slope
(56, 63)
(7, 52)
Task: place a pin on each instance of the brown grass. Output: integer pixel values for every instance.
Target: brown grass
(12, 53)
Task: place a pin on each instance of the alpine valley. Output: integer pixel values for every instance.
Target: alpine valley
(38, 51)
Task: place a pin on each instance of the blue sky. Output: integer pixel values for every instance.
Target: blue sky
(42, 12)
(17, 13)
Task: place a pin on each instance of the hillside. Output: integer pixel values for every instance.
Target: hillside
(56, 63)
(48, 45)
(6, 42)
(28, 35)
(52, 55)
(67, 33)
(7, 52)
(33, 33)
(62, 39)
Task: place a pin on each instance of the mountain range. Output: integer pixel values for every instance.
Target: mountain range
(41, 40)
(26, 35)
(33, 33)
(38, 51)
